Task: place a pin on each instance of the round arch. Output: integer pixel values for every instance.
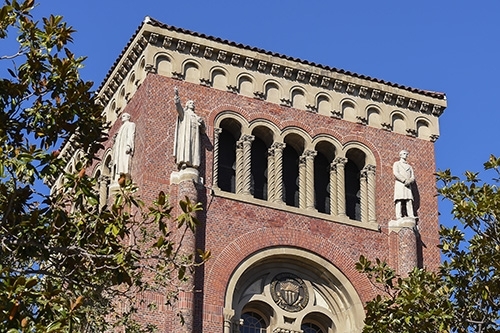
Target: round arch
(319, 287)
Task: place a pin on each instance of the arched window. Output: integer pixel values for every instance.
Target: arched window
(321, 183)
(252, 323)
(259, 169)
(291, 176)
(227, 162)
(311, 328)
(353, 167)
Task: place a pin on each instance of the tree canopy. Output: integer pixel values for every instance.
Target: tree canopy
(464, 295)
(63, 263)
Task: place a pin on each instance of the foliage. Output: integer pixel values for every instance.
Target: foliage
(65, 265)
(464, 296)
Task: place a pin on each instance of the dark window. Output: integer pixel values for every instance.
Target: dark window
(310, 328)
(259, 169)
(352, 194)
(321, 183)
(291, 176)
(227, 162)
(253, 323)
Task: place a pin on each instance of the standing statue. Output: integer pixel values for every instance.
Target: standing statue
(187, 143)
(123, 147)
(403, 185)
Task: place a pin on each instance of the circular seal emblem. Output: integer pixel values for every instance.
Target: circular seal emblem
(289, 292)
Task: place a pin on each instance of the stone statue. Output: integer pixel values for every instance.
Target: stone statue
(123, 147)
(405, 178)
(187, 143)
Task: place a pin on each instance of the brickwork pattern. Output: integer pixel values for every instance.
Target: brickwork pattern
(234, 230)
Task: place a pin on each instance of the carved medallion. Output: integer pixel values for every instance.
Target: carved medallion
(289, 292)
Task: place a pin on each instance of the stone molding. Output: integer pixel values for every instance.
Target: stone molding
(150, 41)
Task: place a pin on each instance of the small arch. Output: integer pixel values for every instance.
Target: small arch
(219, 78)
(291, 154)
(373, 116)
(191, 72)
(324, 104)
(356, 160)
(349, 111)
(272, 92)
(423, 129)
(322, 161)
(231, 132)
(259, 152)
(246, 85)
(163, 65)
(398, 123)
(298, 98)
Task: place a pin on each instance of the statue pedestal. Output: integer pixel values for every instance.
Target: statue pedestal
(404, 222)
(178, 177)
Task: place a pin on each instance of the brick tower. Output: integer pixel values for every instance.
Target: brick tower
(295, 176)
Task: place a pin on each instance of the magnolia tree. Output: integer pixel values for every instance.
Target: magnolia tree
(65, 266)
(464, 294)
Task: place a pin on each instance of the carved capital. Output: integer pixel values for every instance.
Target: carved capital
(278, 145)
(285, 102)
(311, 108)
(411, 132)
(233, 89)
(259, 95)
(308, 154)
(386, 126)
(205, 82)
(340, 161)
(434, 137)
(361, 120)
(336, 114)
(177, 75)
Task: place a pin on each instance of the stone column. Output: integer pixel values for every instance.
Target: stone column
(333, 188)
(228, 320)
(341, 205)
(302, 182)
(271, 180)
(247, 163)
(310, 154)
(239, 167)
(278, 171)
(370, 173)
(364, 195)
(215, 171)
(186, 301)
(403, 244)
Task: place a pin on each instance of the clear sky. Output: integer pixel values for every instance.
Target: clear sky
(450, 46)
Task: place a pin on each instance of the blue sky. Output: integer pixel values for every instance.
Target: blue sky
(446, 46)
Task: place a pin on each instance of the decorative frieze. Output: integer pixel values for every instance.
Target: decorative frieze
(338, 85)
(437, 110)
(400, 101)
(285, 102)
(424, 107)
(261, 66)
(388, 98)
(288, 72)
(361, 120)
(232, 89)
(386, 126)
(411, 132)
(301, 76)
(325, 82)
(153, 38)
(249, 63)
(195, 49)
(313, 79)
(208, 52)
(375, 94)
(412, 104)
(235, 59)
(181, 45)
(221, 56)
(336, 114)
(205, 82)
(259, 95)
(363, 92)
(167, 42)
(351, 88)
(275, 69)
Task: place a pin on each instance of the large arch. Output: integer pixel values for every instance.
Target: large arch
(288, 287)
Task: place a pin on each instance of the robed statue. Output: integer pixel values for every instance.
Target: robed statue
(189, 127)
(123, 147)
(403, 196)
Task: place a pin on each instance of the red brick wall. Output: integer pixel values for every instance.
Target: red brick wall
(234, 230)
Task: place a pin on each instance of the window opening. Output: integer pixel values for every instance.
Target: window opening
(321, 183)
(259, 169)
(227, 162)
(291, 176)
(352, 191)
(253, 323)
